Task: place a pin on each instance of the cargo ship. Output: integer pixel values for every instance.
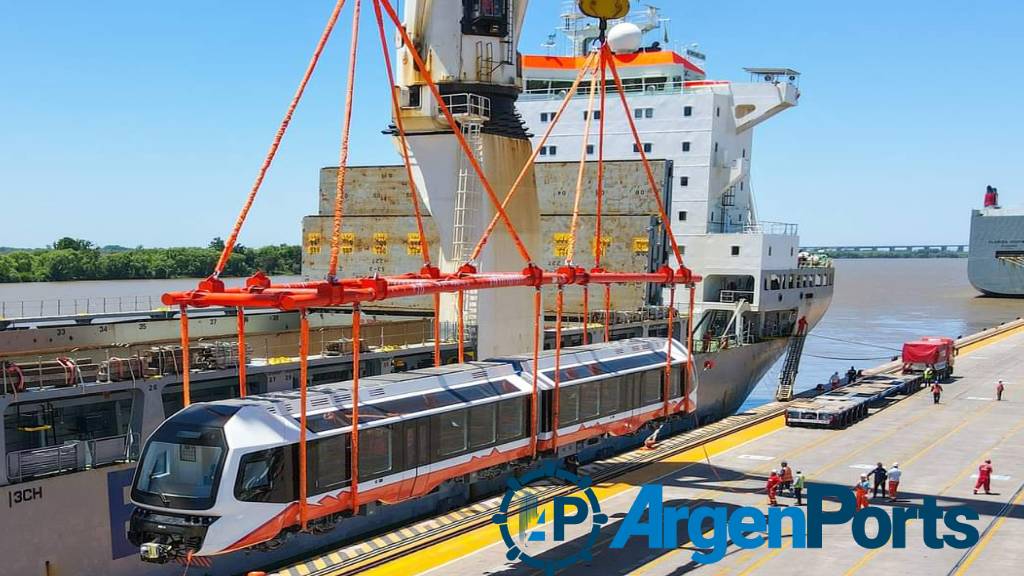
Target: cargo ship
(83, 391)
(995, 265)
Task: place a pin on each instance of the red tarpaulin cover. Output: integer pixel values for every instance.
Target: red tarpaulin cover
(927, 351)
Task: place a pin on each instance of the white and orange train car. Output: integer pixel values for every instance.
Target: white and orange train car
(222, 476)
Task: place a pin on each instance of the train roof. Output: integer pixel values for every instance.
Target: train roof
(425, 390)
(581, 363)
(395, 394)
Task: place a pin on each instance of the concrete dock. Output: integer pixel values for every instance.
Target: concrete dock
(939, 448)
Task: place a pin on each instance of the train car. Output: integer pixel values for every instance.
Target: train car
(606, 389)
(223, 476)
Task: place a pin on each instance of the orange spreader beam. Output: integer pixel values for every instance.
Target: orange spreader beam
(260, 293)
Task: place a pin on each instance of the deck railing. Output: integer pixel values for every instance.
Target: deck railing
(71, 457)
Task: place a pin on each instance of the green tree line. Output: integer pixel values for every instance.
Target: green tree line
(75, 259)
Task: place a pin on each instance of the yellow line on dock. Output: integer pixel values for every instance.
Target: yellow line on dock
(448, 550)
(988, 537)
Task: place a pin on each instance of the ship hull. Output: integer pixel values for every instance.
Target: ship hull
(995, 265)
(95, 502)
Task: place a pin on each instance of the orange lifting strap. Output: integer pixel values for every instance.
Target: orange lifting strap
(339, 194)
(484, 181)
(186, 366)
(303, 379)
(357, 345)
(559, 302)
(533, 157)
(538, 319)
(229, 245)
(242, 388)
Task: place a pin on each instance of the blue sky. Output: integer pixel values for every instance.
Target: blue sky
(144, 122)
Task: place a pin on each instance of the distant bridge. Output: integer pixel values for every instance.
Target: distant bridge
(889, 248)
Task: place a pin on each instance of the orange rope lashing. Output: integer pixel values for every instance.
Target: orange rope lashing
(186, 373)
(668, 346)
(242, 385)
(437, 330)
(229, 244)
(462, 327)
(339, 194)
(607, 313)
(533, 157)
(559, 303)
(356, 349)
(534, 405)
(470, 156)
(689, 348)
(303, 377)
(643, 157)
(586, 315)
(403, 143)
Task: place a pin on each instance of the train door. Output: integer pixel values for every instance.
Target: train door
(417, 453)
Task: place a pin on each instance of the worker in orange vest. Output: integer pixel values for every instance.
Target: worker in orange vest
(860, 490)
(786, 478)
(772, 487)
(984, 477)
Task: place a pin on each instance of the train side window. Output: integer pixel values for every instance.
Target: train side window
(331, 457)
(676, 384)
(590, 400)
(568, 406)
(481, 425)
(266, 476)
(374, 452)
(650, 388)
(510, 419)
(610, 396)
(451, 432)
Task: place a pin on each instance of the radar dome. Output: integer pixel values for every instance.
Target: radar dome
(625, 38)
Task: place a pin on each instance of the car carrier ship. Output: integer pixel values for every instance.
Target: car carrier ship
(81, 393)
(995, 265)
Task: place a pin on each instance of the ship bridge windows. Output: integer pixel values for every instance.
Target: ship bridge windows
(642, 113)
(648, 147)
(596, 115)
(548, 150)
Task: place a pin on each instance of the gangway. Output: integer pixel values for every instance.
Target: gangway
(791, 366)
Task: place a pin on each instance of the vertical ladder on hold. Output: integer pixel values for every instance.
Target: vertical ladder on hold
(791, 366)
(472, 112)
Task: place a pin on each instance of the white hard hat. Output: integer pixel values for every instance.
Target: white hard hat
(895, 464)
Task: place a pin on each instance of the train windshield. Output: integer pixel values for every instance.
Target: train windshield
(181, 466)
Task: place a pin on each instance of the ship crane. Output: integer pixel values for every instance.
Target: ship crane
(453, 94)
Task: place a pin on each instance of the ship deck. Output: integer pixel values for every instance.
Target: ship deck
(939, 448)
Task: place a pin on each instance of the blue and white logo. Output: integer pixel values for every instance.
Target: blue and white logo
(528, 537)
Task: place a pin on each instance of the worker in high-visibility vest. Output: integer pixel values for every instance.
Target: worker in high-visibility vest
(860, 490)
(772, 487)
(984, 477)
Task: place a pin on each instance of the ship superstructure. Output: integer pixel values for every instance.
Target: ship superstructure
(996, 259)
(756, 286)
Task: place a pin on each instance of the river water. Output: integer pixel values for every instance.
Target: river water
(885, 302)
(878, 302)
